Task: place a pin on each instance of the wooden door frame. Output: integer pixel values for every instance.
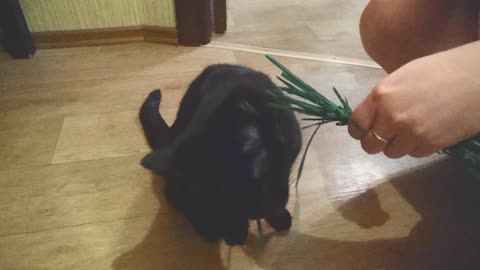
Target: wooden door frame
(220, 16)
(16, 36)
(197, 19)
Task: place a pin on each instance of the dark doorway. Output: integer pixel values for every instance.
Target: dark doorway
(197, 19)
(15, 35)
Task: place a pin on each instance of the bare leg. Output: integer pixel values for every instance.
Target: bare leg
(395, 32)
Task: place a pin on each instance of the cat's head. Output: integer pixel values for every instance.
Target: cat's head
(265, 144)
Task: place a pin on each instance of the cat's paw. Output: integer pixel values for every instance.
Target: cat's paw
(209, 232)
(281, 221)
(207, 228)
(210, 236)
(237, 234)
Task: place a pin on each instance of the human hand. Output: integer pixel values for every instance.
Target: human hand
(426, 105)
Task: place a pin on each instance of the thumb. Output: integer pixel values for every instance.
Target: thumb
(363, 118)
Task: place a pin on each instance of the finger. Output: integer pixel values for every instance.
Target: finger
(424, 151)
(362, 118)
(376, 140)
(371, 144)
(399, 147)
(384, 128)
(355, 130)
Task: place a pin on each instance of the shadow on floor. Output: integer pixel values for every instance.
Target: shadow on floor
(446, 237)
(171, 243)
(364, 210)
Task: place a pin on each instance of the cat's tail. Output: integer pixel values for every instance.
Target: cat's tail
(154, 127)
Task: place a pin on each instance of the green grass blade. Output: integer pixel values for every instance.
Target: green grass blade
(315, 96)
(312, 119)
(306, 112)
(344, 104)
(260, 234)
(321, 109)
(302, 162)
(294, 90)
(303, 105)
(292, 78)
(280, 106)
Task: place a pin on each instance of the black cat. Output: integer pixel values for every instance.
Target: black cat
(227, 158)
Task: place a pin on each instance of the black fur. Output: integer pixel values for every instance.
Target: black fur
(227, 157)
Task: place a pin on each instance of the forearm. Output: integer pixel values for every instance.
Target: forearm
(465, 60)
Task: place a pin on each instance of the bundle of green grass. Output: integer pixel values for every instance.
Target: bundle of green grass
(298, 96)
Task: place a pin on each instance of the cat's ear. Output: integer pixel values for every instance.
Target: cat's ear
(158, 161)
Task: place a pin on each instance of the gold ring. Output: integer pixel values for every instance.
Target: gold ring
(379, 137)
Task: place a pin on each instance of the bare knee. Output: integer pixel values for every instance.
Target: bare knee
(382, 37)
(396, 32)
(369, 32)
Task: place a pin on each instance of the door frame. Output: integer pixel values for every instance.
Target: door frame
(16, 36)
(197, 19)
(220, 16)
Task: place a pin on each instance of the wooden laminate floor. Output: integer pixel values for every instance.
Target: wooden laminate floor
(73, 195)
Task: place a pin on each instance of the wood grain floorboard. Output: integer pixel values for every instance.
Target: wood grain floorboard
(109, 63)
(91, 97)
(26, 143)
(73, 195)
(97, 136)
